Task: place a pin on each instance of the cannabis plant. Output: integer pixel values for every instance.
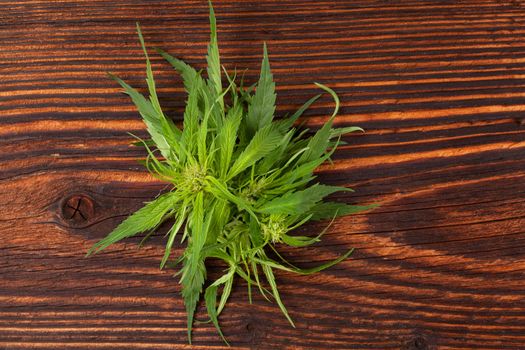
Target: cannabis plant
(241, 182)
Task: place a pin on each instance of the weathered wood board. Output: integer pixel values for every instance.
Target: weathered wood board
(439, 87)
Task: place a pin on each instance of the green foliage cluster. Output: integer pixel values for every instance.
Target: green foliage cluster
(241, 181)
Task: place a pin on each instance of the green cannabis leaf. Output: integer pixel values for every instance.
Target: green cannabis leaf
(241, 181)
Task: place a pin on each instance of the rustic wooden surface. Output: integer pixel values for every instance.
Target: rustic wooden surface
(438, 85)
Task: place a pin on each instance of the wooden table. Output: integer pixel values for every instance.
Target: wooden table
(438, 85)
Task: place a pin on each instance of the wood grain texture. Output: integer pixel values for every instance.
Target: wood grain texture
(438, 85)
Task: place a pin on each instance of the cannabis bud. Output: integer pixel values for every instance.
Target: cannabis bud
(241, 181)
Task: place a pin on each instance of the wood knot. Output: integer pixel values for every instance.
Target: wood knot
(77, 209)
(417, 343)
(255, 332)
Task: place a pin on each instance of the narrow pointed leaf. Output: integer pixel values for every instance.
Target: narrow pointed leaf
(271, 280)
(172, 234)
(227, 138)
(264, 142)
(144, 219)
(210, 297)
(214, 65)
(299, 202)
(150, 117)
(189, 75)
(319, 142)
(342, 131)
(287, 123)
(262, 106)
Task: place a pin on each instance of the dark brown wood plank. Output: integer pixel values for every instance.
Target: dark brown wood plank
(439, 87)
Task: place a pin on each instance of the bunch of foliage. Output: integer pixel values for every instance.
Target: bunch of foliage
(240, 180)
